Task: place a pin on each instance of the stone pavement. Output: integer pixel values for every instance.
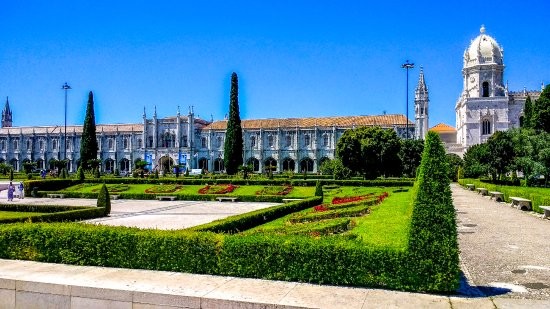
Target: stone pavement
(503, 250)
(504, 256)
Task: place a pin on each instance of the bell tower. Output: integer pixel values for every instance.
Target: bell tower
(6, 115)
(421, 100)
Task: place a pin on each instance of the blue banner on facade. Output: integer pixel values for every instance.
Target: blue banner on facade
(149, 160)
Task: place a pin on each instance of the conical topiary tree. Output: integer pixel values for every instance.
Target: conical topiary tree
(233, 147)
(103, 199)
(318, 189)
(80, 173)
(88, 143)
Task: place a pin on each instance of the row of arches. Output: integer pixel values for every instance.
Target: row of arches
(288, 164)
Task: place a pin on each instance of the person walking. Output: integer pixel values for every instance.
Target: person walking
(21, 190)
(11, 189)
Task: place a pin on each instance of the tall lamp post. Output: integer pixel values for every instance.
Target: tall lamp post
(407, 66)
(65, 87)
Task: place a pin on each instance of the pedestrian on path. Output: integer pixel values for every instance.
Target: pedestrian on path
(21, 190)
(11, 189)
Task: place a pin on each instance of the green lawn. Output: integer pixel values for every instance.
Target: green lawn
(18, 214)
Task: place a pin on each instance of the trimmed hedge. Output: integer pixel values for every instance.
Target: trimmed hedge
(52, 213)
(324, 227)
(433, 244)
(356, 211)
(237, 223)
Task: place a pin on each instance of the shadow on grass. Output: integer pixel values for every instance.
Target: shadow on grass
(467, 290)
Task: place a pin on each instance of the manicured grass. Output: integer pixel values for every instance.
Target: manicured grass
(387, 225)
(18, 214)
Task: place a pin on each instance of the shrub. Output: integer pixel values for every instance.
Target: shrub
(318, 189)
(103, 200)
(80, 173)
(433, 245)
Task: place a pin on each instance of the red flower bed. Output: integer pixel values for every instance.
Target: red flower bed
(350, 199)
(320, 208)
(218, 189)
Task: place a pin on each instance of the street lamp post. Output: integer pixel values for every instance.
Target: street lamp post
(407, 66)
(65, 87)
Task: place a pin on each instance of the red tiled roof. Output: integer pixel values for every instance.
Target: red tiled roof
(442, 128)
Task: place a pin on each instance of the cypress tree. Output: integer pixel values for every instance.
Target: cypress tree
(233, 147)
(88, 143)
(103, 199)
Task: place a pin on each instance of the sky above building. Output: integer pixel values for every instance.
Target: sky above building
(293, 58)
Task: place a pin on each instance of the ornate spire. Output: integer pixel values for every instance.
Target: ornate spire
(421, 83)
(482, 29)
(6, 115)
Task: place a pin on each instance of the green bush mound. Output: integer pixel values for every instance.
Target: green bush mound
(538, 196)
(52, 213)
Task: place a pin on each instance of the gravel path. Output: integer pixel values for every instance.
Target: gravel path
(504, 251)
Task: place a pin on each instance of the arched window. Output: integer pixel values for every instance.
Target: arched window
(41, 144)
(253, 141)
(485, 89)
(126, 143)
(29, 144)
(203, 142)
(151, 140)
(254, 163)
(326, 140)
(2, 145)
(307, 140)
(111, 144)
(54, 144)
(219, 142)
(288, 141)
(139, 143)
(288, 164)
(306, 165)
(486, 127)
(270, 140)
(16, 145)
(203, 164)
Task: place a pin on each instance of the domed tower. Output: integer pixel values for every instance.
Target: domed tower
(483, 106)
(483, 68)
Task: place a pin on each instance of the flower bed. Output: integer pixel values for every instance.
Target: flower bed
(114, 188)
(218, 189)
(350, 199)
(163, 189)
(275, 190)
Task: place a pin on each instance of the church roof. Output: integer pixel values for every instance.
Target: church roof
(443, 128)
(343, 121)
(105, 128)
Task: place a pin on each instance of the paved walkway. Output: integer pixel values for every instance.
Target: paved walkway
(503, 250)
(505, 257)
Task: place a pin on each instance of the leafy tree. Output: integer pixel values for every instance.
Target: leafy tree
(541, 114)
(476, 161)
(502, 154)
(411, 155)
(88, 142)
(336, 169)
(371, 151)
(528, 114)
(103, 199)
(5, 168)
(245, 169)
(233, 147)
(29, 166)
(455, 163)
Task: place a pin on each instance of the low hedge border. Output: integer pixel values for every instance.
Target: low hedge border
(537, 199)
(316, 228)
(54, 213)
(356, 211)
(59, 184)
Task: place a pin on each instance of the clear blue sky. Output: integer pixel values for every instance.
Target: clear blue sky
(293, 58)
